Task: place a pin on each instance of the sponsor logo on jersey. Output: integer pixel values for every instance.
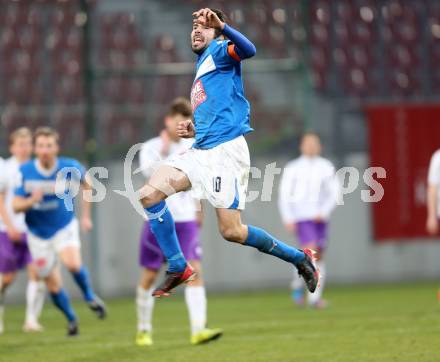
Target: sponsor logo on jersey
(198, 94)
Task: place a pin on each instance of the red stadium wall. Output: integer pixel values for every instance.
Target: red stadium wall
(402, 139)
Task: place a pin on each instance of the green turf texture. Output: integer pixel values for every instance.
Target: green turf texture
(370, 323)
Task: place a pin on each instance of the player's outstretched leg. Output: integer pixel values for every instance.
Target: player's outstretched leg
(197, 303)
(95, 303)
(6, 280)
(162, 225)
(71, 258)
(232, 229)
(302, 259)
(145, 300)
(61, 300)
(35, 293)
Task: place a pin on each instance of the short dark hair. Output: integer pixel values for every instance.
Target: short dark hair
(222, 16)
(180, 106)
(46, 132)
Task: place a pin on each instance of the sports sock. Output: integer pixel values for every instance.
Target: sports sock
(297, 281)
(315, 297)
(62, 302)
(2, 304)
(264, 242)
(195, 297)
(163, 227)
(34, 301)
(39, 300)
(82, 279)
(144, 307)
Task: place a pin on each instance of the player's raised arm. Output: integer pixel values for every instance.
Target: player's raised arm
(242, 48)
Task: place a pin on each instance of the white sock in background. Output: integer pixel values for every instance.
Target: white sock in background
(35, 293)
(317, 295)
(196, 302)
(2, 312)
(144, 306)
(2, 306)
(39, 299)
(297, 281)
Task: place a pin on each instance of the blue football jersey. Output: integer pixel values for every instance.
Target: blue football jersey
(51, 214)
(221, 111)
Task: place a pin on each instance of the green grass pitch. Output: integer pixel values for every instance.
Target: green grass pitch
(370, 323)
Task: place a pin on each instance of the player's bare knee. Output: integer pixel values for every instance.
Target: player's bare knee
(52, 283)
(232, 234)
(73, 267)
(7, 279)
(151, 197)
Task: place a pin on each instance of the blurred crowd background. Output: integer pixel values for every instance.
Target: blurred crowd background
(364, 74)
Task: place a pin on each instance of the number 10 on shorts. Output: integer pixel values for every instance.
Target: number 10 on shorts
(217, 184)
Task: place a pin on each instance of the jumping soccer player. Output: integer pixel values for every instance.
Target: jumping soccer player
(307, 196)
(14, 252)
(53, 230)
(217, 165)
(184, 210)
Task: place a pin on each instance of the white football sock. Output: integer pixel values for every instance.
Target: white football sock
(196, 302)
(35, 294)
(39, 299)
(2, 306)
(2, 312)
(145, 306)
(317, 295)
(297, 281)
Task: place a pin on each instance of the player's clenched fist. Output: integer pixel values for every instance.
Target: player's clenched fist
(37, 196)
(185, 129)
(206, 17)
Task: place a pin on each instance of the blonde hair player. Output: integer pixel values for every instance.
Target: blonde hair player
(14, 251)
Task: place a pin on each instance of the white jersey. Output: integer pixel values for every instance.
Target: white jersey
(308, 189)
(181, 205)
(9, 175)
(434, 176)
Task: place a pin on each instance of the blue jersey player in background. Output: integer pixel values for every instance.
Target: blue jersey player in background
(217, 166)
(53, 230)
